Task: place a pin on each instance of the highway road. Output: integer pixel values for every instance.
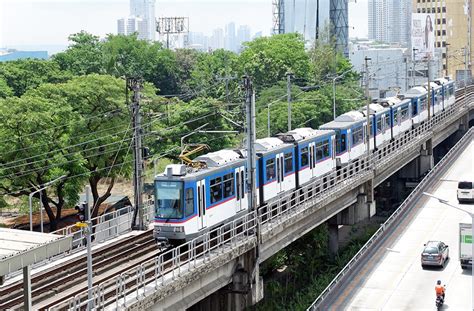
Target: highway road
(393, 279)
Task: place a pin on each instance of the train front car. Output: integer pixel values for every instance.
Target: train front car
(191, 201)
(171, 215)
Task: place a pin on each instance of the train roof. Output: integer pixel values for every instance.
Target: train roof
(373, 108)
(416, 91)
(269, 144)
(343, 121)
(218, 158)
(442, 81)
(304, 133)
(433, 85)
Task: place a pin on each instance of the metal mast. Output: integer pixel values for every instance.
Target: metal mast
(278, 16)
(135, 85)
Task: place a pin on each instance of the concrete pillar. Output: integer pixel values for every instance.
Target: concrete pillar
(426, 158)
(333, 240)
(27, 288)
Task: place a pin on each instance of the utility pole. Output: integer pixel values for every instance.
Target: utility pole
(406, 73)
(447, 59)
(289, 75)
(88, 232)
(135, 85)
(251, 158)
(413, 68)
(367, 97)
(429, 87)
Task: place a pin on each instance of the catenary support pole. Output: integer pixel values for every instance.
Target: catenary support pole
(88, 232)
(288, 90)
(27, 288)
(367, 97)
(135, 85)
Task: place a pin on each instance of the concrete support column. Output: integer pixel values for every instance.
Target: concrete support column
(246, 288)
(426, 157)
(27, 288)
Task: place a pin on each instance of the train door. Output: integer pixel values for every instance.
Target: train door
(349, 143)
(280, 175)
(241, 200)
(201, 191)
(312, 158)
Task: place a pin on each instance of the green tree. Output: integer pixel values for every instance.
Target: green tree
(83, 56)
(35, 136)
(25, 74)
(268, 59)
(103, 135)
(5, 90)
(212, 66)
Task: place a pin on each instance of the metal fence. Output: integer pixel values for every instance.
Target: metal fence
(134, 283)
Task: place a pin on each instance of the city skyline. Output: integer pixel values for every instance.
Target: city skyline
(100, 18)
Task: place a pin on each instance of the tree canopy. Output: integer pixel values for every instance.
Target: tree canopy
(70, 115)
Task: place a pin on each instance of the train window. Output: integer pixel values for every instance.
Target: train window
(319, 151)
(414, 108)
(396, 115)
(404, 113)
(423, 104)
(270, 168)
(216, 189)
(387, 120)
(357, 136)
(288, 162)
(343, 142)
(326, 153)
(379, 125)
(189, 202)
(304, 156)
(169, 196)
(228, 185)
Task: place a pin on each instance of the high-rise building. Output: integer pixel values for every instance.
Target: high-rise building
(141, 20)
(132, 24)
(217, 39)
(453, 33)
(230, 39)
(389, 21)
(243, 35)
(145, 9)
(314, 19)
(307, 17)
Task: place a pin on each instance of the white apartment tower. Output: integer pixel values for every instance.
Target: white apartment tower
(141, 20)
(132, 24)
(389, 21)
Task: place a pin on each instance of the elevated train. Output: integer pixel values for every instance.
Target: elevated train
(190, 201)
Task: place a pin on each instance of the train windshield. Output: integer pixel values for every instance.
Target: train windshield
(168, 202)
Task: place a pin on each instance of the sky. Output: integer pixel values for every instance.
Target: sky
(33, 23)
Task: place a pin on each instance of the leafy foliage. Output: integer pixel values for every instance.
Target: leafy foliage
(268, 59)
(84, 55)
(25, 74)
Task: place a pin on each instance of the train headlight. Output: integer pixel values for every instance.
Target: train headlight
(179, 229)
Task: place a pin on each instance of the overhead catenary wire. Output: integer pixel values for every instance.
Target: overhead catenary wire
(97, 147)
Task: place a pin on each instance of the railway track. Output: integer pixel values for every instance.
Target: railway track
(59, 281)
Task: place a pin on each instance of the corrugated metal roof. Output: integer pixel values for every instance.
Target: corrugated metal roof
(19, 248)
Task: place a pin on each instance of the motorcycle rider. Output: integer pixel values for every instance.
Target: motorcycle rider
(440, 290)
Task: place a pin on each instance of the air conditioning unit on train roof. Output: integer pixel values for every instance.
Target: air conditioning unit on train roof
(218, 158)
(267, 143)
(175, 170)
